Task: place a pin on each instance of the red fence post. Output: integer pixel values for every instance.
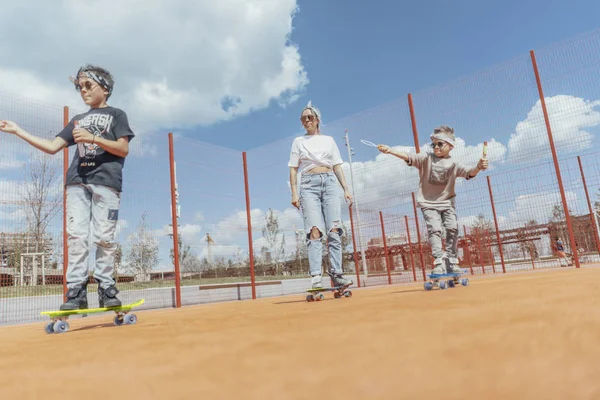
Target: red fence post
(489, 244)
(387, 258)
(413, 121)
(419, 236)
(498, 240)
(589, 204)
(480, 249)
(65, 241)
(249, 222)
(175, 222)
(468, 249)
(354, 246)
(412, 260)
(555, 159)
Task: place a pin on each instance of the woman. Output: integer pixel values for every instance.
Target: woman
(317, 158)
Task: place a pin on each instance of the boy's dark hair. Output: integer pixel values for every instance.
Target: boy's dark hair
(106, 79)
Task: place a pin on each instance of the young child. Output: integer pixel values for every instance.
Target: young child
(436, 196)
(93, 183)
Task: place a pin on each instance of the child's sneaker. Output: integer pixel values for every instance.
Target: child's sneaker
(317, 282)
(108, 297)
(453, 267)
(438, 267)
(339, 280)
(76, 299)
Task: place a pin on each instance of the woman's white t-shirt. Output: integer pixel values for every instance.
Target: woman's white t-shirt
(310, 151)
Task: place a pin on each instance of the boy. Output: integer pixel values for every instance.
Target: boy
(436, 196)
(93, 183)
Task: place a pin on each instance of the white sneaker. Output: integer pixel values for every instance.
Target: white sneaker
(438, 267)
(453, 267)
(317, 282)
(339, 280)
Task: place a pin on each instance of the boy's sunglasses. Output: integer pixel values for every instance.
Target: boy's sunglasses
(87, 85)
(438, 144)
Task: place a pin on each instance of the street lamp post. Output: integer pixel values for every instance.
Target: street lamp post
(362, 251)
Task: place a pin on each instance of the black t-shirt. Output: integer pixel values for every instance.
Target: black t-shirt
(97, 166)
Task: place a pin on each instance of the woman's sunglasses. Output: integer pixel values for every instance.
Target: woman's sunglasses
(307, 117)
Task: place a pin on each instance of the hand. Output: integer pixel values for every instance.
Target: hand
(482, 164)
(348, 197)
(296, 201)
(384, 149)
(9, 127)
(81, 135)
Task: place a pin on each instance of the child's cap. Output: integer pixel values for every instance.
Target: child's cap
(312, 108)
(444, 133)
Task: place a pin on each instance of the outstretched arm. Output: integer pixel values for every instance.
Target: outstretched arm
(387, 150)
(45, 145)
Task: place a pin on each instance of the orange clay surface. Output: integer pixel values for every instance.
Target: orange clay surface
(521, 336)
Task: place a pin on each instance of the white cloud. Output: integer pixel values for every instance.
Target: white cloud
(176, 63)
(11, 163)
(569, 118)
(190, 234)
(199, 217)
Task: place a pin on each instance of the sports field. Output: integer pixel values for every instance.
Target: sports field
(521, 336)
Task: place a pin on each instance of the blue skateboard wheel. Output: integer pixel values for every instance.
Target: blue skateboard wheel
(49, 327)
(61, 326)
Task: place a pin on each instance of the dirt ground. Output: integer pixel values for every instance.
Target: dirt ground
(522, 336)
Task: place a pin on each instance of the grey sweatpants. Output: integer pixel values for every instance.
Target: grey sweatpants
(91, 207)
(435, 219)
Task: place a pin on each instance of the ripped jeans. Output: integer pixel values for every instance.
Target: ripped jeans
(321, 207)
(93, 207)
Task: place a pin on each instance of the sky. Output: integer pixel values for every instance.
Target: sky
(234, 75)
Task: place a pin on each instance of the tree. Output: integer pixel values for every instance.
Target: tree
(526, 245)
(271, 234)
(42, 199)
(143, 251)
(482, 224)
(188, 261)
(559, 221)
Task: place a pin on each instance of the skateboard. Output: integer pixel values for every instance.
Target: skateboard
(59, 318)
(338, 292)
(437, 280)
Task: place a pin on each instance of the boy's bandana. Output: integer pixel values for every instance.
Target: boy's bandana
(442, 136)
(93, 76)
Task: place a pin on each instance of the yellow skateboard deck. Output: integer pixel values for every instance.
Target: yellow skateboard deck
(59, 318)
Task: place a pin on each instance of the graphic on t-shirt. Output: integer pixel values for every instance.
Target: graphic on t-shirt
(97, 125)
(439, 175)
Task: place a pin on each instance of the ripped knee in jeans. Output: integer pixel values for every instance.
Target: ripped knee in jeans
(336, 228)
(315, 234)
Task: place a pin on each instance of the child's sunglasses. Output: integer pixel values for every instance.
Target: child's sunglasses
(438, 144)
